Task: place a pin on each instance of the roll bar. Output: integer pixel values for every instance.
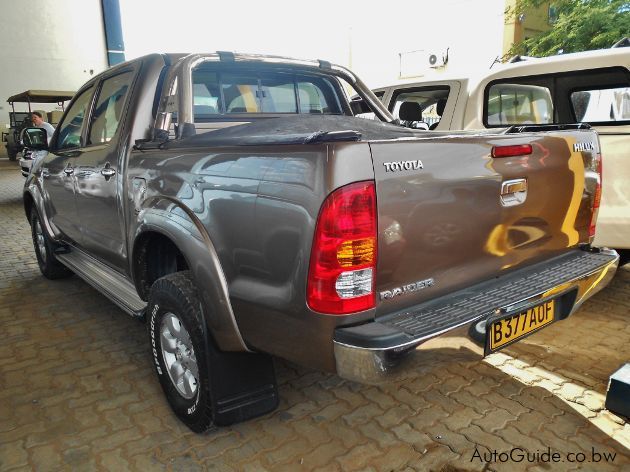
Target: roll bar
(177, 94)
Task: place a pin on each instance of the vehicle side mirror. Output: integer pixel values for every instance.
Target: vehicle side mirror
(359, 106)
(35, 139)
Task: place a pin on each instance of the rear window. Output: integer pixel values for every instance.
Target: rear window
(254, 92)
(594, 96)
(514, 104)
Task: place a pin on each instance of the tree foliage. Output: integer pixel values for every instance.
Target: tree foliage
(581, 25)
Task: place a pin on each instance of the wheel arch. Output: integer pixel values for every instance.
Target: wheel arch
(29, 203)
(182, 232)
(32, 199)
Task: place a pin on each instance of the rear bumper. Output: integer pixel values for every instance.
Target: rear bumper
(452, 328)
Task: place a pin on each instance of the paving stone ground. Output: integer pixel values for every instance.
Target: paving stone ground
(77, 391)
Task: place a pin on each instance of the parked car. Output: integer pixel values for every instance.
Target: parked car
(22, 120)
(591, 87)
(237, 204)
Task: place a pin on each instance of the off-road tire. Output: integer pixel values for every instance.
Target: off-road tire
(177, 294)
(49, 266)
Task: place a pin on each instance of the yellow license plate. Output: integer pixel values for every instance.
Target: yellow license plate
(508, 330)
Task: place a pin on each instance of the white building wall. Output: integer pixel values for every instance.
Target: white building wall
(47, 44)
(366, 36)
(471, 30)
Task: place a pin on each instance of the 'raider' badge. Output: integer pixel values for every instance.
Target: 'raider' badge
(405, 289)
(403, 165)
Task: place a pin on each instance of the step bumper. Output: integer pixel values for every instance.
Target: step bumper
(453, 328)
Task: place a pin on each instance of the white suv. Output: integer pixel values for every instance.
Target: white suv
(591, 87)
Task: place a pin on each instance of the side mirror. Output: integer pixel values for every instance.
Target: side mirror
(35, 139)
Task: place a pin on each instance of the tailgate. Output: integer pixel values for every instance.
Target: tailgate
(450, 215)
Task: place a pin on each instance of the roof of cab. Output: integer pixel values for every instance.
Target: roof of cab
(563, 63)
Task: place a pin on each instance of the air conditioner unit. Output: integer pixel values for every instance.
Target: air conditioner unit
(437, 59)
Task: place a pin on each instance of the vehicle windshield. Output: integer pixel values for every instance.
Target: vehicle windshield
(18, 118)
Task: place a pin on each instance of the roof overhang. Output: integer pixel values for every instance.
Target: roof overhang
(41, 96)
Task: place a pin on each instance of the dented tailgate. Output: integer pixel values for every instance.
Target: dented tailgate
(450, 215)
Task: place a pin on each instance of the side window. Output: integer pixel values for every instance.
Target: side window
(601, 105)
(70, 128)
(431, 102)
(514, 104)
(109, 107)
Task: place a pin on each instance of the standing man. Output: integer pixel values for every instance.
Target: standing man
(39, 122)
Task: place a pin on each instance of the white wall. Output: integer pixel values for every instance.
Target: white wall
(46, 44)
(366, 36)
(472, 30)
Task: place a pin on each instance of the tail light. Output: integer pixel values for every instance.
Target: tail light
(341, 276)
(597, 198)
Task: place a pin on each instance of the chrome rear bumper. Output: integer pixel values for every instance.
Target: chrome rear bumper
(454, 327)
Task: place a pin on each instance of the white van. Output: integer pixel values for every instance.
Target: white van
(591, 87)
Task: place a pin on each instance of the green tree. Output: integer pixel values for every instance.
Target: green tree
(580, 25)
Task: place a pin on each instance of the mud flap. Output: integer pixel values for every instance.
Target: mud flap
(243, 386)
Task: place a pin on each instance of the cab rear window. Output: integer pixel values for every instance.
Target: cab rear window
(514, 104)
(594, 96)
(255, 92)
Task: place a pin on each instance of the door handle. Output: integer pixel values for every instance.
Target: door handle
(513, 192)
(69, 170)
(107, 171)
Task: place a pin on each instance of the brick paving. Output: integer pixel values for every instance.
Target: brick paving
(77, 391)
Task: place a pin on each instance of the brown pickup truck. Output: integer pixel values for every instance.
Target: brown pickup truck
(237, 204)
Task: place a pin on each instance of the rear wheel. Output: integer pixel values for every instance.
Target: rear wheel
(49, 266)
(179, 348)
(204, 386)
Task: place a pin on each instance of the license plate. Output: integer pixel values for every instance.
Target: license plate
(507, 330)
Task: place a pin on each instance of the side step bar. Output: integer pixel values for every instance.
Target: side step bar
(104, 279)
